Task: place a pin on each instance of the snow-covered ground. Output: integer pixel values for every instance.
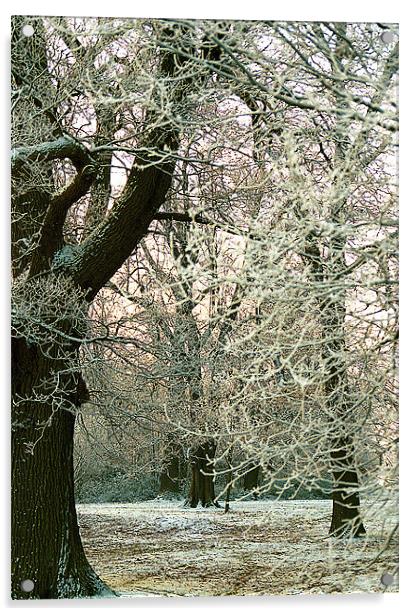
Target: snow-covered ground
(260, 547)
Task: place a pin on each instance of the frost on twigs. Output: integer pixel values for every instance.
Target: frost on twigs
(51, 311)
(242, 225)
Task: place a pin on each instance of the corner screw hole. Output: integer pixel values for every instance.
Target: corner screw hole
(27, 585)
(388, 37)
(387, 579)
(28, 30)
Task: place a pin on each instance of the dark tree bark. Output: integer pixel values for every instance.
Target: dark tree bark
(251, 479)
(201, 490)
(46, 543)
(346, 518)
(230, 483)
(173, 472)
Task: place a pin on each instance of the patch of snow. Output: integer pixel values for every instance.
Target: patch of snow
(182, 523)
(160, 547)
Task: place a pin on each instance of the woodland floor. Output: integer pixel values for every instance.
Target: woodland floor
(259, 548)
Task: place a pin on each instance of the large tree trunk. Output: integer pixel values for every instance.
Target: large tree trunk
(44, 519)
(201, 489)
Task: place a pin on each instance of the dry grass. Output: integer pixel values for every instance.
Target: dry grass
(258, 548)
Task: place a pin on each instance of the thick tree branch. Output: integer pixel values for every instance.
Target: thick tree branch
(64, 147)
(51, 239)
(112, 242)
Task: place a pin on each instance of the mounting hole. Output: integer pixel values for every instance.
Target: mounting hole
(28, 30)
(27, 585)
(388, 37)
(387, 579)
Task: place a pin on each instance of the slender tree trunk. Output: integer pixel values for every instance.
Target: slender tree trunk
(229, 480)
(201, 489)
(44, 519)
(346, 518)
